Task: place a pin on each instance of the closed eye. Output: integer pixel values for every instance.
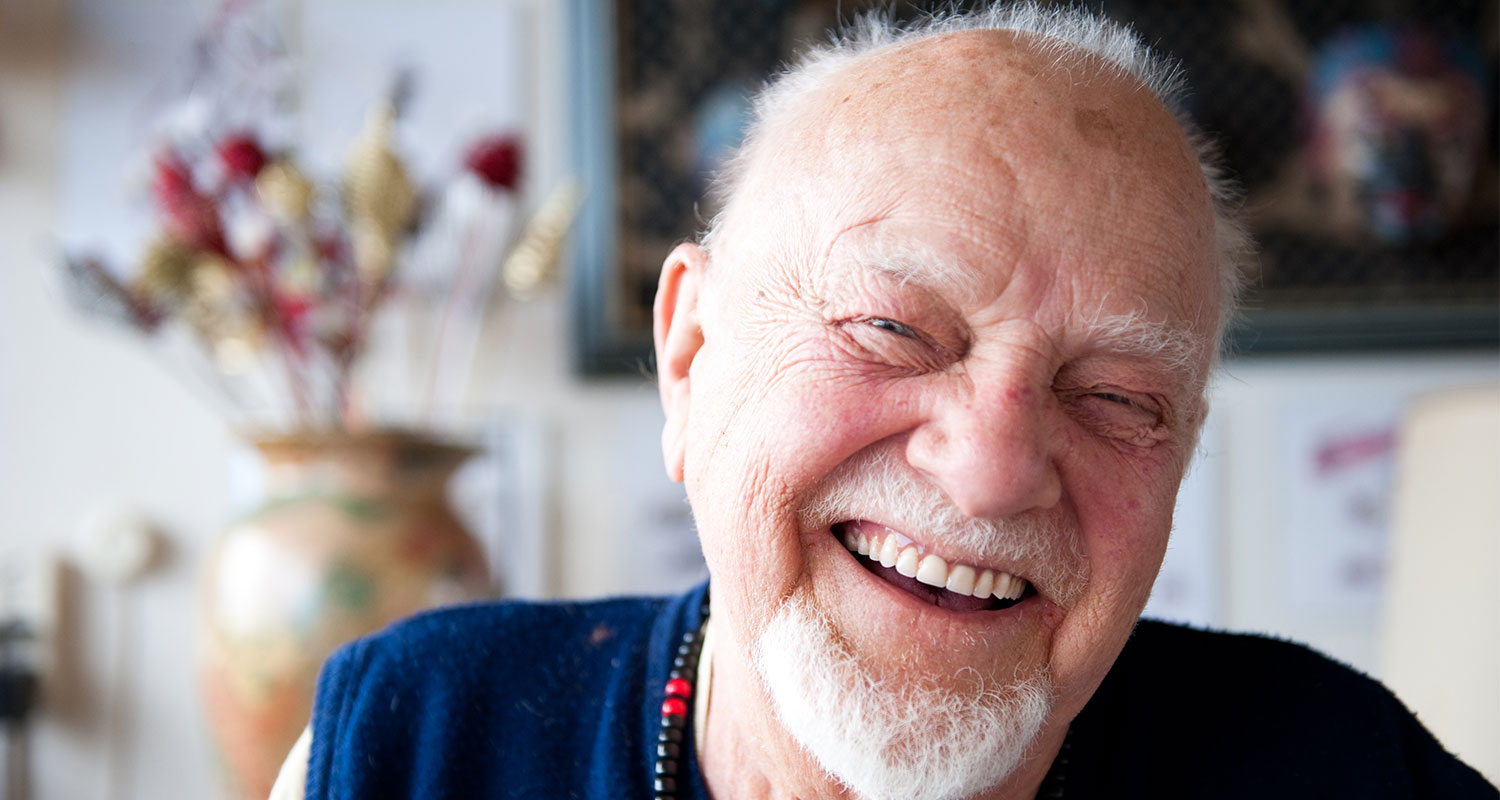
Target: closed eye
(1134, 419)
(882, 340)
(893, 326)
(1114, 398)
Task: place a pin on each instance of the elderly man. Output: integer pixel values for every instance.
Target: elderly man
(931, 379)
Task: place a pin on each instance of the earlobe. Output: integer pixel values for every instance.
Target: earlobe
(678, 337)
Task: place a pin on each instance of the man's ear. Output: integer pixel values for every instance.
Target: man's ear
(679, 337)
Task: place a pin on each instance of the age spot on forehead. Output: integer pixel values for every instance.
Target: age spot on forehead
(1096, 127)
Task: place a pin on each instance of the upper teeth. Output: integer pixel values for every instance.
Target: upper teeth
(931, 569)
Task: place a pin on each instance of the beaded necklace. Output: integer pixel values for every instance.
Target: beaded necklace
(675, 709)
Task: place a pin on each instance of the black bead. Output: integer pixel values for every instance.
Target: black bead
(669, 747)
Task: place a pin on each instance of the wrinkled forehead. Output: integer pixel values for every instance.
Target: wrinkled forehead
(1005, 113)
(1007, 142)
(999, 83)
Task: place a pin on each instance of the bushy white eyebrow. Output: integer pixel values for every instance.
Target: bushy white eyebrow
(1173, 347)
(909, 262)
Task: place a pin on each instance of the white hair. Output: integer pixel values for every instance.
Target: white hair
(1059, 32)
(894, 740)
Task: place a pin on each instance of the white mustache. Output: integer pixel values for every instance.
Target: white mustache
(876, 485)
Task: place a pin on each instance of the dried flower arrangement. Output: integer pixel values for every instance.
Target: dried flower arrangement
(276, 279)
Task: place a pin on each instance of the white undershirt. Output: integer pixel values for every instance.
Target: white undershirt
(703, 683)
(291, 781)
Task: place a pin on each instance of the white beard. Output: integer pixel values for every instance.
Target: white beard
(886, 741)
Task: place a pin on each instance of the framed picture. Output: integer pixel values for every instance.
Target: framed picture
(1363, 134)
(1362, 131)
(661, 94)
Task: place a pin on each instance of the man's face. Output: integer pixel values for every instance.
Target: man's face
(994, 278)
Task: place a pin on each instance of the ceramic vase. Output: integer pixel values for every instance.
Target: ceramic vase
(355, 532)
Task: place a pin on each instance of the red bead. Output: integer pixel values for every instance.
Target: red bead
(674, 707)
(679, 687)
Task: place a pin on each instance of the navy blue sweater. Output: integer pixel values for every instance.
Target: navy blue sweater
(562, 700)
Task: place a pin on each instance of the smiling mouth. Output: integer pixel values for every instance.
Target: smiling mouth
(956, 587)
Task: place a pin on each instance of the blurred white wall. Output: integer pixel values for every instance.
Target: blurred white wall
(1294, 548)
(89, 419)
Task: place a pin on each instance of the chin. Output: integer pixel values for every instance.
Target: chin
(894, 732)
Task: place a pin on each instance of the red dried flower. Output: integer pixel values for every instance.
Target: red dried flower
(496, 159)
(172, 180)
(188, 216)
(241, 155)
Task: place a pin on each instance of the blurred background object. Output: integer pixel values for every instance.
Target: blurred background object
(356, 534)
(1440, 649)
(274, 281)
(1363, 132)
(1284, 521)
(276, 278)
(19, 677)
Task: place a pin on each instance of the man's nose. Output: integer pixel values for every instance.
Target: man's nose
(990, 450)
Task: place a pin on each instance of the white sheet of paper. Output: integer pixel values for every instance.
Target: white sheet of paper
(1338, 465)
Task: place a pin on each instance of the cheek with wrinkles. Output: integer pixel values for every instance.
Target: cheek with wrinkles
(761, 360)
(837, 373)
(786, 391)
